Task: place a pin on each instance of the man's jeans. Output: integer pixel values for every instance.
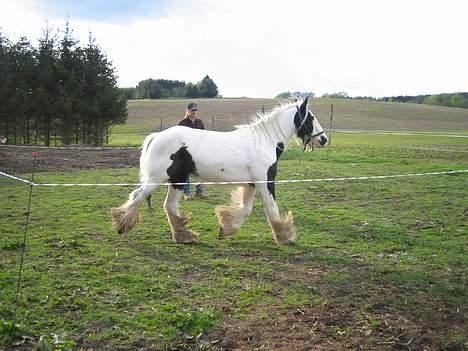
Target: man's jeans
(198, 187)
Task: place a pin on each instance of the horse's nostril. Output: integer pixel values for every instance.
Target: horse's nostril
(323, 140)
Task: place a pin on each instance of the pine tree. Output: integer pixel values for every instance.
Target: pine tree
(6, 85)
(106, 104)
(59, 88)
(207, 87)
(69, 70)
(47, 90)
(24, 79)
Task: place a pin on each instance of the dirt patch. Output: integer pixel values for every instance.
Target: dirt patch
(349, 315)
(19, 159)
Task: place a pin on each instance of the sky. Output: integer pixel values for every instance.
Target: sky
(260, 48)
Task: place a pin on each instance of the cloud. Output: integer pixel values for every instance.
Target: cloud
(260, 48)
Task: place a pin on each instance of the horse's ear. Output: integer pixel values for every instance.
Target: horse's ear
(303, 107)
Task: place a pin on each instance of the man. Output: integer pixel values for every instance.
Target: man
(192, 121)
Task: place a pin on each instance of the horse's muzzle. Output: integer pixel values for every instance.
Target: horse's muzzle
(323, 140)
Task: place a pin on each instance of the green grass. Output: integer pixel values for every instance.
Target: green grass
(397, 243)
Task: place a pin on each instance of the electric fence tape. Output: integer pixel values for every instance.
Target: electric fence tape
(316, 180)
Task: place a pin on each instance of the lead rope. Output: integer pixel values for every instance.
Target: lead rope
(295, 169)
(298, 163)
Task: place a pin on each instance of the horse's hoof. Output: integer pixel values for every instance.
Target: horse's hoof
(221, 233)
(291, 243)
(188, 237)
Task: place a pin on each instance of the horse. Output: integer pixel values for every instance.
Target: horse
(248, 155)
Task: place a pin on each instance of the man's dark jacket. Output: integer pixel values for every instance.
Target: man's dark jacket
(187, 122)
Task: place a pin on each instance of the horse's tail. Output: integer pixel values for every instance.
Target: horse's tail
(127, 216)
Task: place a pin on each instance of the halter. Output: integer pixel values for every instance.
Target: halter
(318, 134)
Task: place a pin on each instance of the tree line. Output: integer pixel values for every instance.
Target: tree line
(57, 91)
(163, 88)
(447, 99)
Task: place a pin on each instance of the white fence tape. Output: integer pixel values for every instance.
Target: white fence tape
(242, 182)
(16, 178)
(400, 132)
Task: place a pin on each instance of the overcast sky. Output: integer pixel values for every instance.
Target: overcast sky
(259, 48)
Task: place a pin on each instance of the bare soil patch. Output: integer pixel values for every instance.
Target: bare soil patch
(353, 315)
(19, 159)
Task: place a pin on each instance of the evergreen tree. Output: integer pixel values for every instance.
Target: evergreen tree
(106, 104)
(60, 89)
(20, 105)
(68, 71)
(6, 85)
(130, 93)
(192, 91)
(47, 89)
(207, 88)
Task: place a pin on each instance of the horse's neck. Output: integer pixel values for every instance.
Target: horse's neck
(277, 129)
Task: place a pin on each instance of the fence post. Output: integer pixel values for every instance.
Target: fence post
(212, 123)
(161, 125)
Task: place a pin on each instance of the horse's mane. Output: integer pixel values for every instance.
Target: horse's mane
(261, 117)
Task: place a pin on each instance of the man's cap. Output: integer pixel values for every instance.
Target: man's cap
(192, 106)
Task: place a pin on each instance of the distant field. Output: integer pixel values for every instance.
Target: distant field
(145, 115)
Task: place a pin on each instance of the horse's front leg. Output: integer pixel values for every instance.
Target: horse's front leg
(284, 231)
(178, 223)
(232, 217)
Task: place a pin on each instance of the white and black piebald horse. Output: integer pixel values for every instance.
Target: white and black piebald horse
(249, 154)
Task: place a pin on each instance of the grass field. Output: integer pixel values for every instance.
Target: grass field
(379, 264)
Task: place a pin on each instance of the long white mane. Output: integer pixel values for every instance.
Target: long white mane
(261, 117)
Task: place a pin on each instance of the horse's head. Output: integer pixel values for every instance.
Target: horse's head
(308, 128)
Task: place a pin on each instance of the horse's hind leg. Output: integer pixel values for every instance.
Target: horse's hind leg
(180, 233)
(126, 216)
(150, 207)
(232, 217)
(284, 231)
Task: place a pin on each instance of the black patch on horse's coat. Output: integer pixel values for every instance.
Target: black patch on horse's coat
(273, 170)
(181, 167)
(307, 127)
(279, 150)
